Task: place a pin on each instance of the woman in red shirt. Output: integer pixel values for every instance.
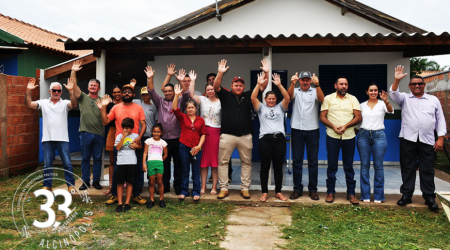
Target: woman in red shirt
(193, 131)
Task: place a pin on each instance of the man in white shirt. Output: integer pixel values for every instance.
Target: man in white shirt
(305, 130)
(54, 128)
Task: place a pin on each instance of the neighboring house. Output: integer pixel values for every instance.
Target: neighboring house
(24, 48)
(327, 37)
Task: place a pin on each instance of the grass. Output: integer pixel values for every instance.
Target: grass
(348, 227)
(442, 162)
(178, 226)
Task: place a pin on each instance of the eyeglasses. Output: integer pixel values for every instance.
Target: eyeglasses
(56, 90)
(127, 92)
(417, 83)
(192, 125)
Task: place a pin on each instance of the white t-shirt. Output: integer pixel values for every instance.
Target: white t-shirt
(211, 112)
(373, 119)
(126, 155)
(271, 119)
(54, 120)
(155, 149)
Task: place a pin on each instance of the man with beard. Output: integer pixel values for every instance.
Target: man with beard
(91, 129)
(421, 115)
(169, 123)
(340, 112)
(126, 109)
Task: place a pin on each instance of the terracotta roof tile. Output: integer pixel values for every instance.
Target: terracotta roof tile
(37, 36)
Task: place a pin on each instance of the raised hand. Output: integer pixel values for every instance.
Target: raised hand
(177, 89)
(103, 102)
(125, 134)
(192, 75)
(171, 69)
(383, 95)
(276, 79)
(181, 75)
(265, 65)
(294, 78)
(149, 72)
(76, 66)
(133, 83)
(31, 84)
(69, 85)
(315, 80)
(223, 66)
(399, 72)
(261, 79)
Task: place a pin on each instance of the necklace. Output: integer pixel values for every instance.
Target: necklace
(239, 102)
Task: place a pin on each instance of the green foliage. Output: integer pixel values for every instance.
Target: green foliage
(418, 65)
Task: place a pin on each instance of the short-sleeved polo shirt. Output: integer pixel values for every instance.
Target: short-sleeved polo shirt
(236, 113)
(54, 120)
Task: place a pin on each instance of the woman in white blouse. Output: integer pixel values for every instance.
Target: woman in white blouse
(210, 111)
(372, 141)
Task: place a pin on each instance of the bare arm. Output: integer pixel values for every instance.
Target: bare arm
(177, 96)
(254, 98)
(384, 98)
(150, 73)
(102, 106)
(319, 93)
(144, 158)
(294, 81)
(69, 87)
(221, 70)
(197, 148)
(192, 94)
(119, 145)
(266, 69)
(165, 153)
(141, 134)
(286, 99)
(355, 121)
(323, 118)
(398, 77)
(31, 86)
(73, 74)
(170, 72)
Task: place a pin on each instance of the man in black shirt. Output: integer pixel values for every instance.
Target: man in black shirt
(236, 129)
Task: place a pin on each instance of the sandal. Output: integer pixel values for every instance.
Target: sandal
(202, 191)
(366, 201)
(108, 191)
(196, 197)
(281, 197)
(181, 197)
(213, 191)
(263, 197)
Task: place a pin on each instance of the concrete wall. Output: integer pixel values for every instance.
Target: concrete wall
(286, 17)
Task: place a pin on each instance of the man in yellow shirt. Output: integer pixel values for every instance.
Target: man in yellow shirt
(340, 112)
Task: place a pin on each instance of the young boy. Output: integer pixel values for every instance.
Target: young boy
(126, 162)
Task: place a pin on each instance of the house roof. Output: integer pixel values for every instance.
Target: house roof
(209, 12)
(36, 36)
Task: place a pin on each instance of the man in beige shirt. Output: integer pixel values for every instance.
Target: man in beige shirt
(340, 112)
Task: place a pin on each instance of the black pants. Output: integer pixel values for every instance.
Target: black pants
(173, 150)
(415, 155)
(272, 148)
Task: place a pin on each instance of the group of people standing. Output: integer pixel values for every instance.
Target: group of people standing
(173, 127)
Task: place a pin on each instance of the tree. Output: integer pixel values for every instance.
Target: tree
(418, 65)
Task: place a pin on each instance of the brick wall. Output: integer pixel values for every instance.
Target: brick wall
(22, 127)
(439, 86)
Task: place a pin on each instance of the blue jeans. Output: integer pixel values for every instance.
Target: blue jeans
(372, 143)
(91, 145)
(49, 155)
(137, 174)
(186, 161)
(311, 139)
(348, 151)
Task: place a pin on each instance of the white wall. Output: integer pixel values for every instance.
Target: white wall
(242, 64)
(286, 17)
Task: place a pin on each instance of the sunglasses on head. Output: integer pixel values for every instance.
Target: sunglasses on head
(56, 90)
(417, 83)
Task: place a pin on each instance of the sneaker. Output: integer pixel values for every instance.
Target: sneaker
(113, 199)
(222, 194)
(162, 203)
(119, 209)
(47, 188)
(84, 186)
(139, 200)
(150, 204)
(126, 208)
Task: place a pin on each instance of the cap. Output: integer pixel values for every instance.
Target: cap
(144, 90)
(127, 86)
(305, 74)
(238, 78)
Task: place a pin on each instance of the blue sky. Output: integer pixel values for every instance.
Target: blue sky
(117, 18)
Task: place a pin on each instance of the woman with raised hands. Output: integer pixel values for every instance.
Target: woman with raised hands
(272, 138)
(210, 111)
(192, 137)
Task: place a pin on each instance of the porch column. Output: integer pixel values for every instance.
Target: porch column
(101, 76)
